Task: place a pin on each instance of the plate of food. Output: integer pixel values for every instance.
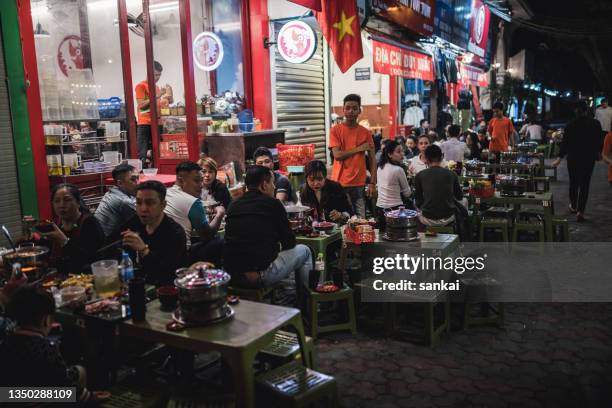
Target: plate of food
(324, 226)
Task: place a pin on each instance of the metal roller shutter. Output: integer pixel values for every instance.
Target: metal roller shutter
(300, 98)
(10, 204)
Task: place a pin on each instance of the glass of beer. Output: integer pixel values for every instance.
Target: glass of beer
(106, 277)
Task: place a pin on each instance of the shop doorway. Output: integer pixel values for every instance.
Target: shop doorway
(10, 203)
(300, 96)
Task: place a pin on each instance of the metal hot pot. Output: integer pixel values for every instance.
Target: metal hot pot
(527, 147)
(202, 295)
(34, 261)
(401, 225)
(512, 186)
(299, 216)
(474, 167)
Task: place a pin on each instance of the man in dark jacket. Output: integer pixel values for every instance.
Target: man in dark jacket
(260, 248)
(581, 144)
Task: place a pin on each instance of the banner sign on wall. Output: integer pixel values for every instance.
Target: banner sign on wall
(479, 30)
(396, 61)
(415, 15)
(296, 42)
(473, 76)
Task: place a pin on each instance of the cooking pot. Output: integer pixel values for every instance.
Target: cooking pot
(474, 167)
(509, 157)
(297, 212)
(528, 147)
(401, 218)
(512, 185)
(33, 259)
(201, 285)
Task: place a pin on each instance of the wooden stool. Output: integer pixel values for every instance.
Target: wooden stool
(346, 295)
(494, 223)
(563, 225)
(537, 227)
(256, 295)
(286, 347)
(294, 385)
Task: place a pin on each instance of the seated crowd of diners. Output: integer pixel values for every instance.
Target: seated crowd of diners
(164, 229)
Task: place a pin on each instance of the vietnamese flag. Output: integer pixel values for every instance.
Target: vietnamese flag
(339, 23)
(311, 4)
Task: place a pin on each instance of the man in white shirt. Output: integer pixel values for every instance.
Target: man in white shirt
(453, 149)
(531, 132)
(604, 115)
(184, 206)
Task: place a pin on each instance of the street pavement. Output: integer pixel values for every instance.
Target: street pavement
(547, 355)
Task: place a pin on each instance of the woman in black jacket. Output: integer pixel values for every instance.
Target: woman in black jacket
(213, 188)
(76, 235)
(326, 197)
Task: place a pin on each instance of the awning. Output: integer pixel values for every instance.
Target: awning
(396, 60)
(471, 75)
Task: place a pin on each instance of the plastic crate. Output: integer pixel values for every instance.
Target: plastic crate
(294, 155)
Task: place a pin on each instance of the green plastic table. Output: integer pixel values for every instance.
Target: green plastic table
(543, 199)
(238, 339)
(320, 244)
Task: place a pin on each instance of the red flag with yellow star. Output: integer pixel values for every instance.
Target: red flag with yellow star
(311, 4)
(339, 23)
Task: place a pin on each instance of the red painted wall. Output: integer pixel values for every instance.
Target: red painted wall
(37, 136)
(260, 57)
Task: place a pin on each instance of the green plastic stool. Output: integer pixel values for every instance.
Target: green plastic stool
(496, 318)
(346, 295)
(537, 227)
(294, 385)
(256, 295)
(494, 223)
(563, 224)
(286, 347)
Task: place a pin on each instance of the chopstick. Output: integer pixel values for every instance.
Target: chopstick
(104, 248)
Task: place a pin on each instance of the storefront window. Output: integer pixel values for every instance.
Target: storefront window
(81, 88)
(216, 27)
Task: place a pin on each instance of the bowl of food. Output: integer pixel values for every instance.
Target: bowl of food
(168, 296)
(323, 226)
(149, 172)
(73, 295)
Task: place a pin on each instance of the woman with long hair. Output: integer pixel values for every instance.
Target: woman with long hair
(392, 181)
(326, 197)
(474, 144)
(76, 235)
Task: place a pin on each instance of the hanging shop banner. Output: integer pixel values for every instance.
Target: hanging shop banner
(473, 76)
(415, 15)
(479, 30)
(443, 22)
(396, 61)
(296, 42)
(207, 51)
(69, 54)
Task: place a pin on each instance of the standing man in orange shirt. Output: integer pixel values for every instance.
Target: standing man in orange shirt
(606, 155)
(143, 130)
(349, 143)
(500, 129)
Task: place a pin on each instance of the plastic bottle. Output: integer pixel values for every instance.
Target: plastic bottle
(128, 268)
(320, 268)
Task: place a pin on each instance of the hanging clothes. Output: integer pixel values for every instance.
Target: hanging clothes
(414, 86)
(414, 113)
